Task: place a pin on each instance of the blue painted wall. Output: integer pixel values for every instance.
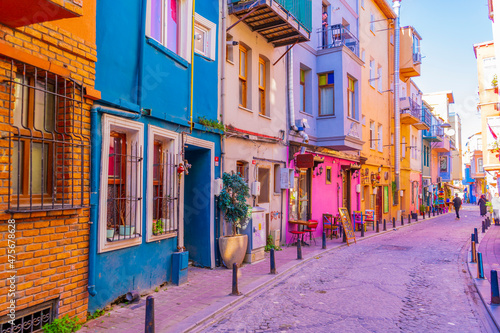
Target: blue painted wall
(445, 176)
(166, 83)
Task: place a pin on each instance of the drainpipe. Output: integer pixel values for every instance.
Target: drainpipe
(291, 108)
(397, 125)
(95, 157)
(142, 39)
(192, 72)
(223, 82)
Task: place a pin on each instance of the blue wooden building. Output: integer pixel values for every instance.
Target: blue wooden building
(153, 164)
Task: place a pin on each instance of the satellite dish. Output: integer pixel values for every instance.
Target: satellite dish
(450, 132)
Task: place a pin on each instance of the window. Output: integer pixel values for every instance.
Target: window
(363, 3)
(326, 94)
(262, 86)
(277, 179)
(480, 165)
(302, 90)
(243, 76)
(120, 204)
(162, 196)
(351, 97)
(489, 71)
(39, 141)
(328, 176)
(229, 48)
(379, 75)
(300, 196)
(164, 22)
(242, 169)
(372, 22)
(403, 147)
(372, 135)
(204, 39)
(264, 179)
(372, 73)
(380, 139)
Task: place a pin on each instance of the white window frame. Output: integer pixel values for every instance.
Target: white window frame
(403, 148)
(170, 140)
(380, 138)
(373, 135)
(372, 22)
(379, 73)
(480, 168)
(372, 73)
(209, 28)
(184, 26)
(135, 134)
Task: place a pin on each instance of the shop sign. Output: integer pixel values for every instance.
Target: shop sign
(365, 176)
(304, 161)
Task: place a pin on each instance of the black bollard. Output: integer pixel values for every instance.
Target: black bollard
(495, 293)
(150, 315)
(235, 281)
(416, 217)
(402, 220)
(483, 226)
(385, 226)
(323, 245)
(409, 218)
(299, 250)
(433, 212)
(378, 222)
(273, 262)
(480, 271)
(394, 222)
(423, 216)
(362, 230)
(429, 211)
(476, 236)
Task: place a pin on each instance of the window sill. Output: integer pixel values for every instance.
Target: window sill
(306, 114)
(264, 116)
(172, 55)
(352, 119)
(229, 62)
(113, 246)
(244, 109)
(326, 117)
(154, 238)
(204, 57)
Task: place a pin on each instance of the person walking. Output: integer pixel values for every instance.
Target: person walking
(457, 202)
(482, 205)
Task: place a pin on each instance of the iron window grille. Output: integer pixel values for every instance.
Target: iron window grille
(124, 199)
(49, 145)
(165, 192)
(30, 320)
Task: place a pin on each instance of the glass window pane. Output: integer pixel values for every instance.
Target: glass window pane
(322, 79)
(330, 78)
(39, 171)
(200, 40)
(172, 25)
(242, 63)
(155, 20)
(21, 103)
(44, 107)
(301, 106)
(302, 76)
(261, 74)
(326, 95)
(16, 175)
(241, 92)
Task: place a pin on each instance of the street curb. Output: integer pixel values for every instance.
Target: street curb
(202, 317)
(483, 286)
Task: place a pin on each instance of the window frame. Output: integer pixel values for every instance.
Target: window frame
(135, 134)
(262, 88)
(380, 138)
(243, 78)
(351, 95)
(372, 73)
(372, 135)
(210, 31)
(302, 76)
(327, 85)
(243, 164)
(380, 81)
(170, 141)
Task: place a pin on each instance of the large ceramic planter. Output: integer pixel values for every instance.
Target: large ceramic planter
(233, 249)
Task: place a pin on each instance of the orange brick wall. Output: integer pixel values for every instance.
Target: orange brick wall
(52, 247)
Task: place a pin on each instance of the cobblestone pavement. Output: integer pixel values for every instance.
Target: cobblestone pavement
(410, 280)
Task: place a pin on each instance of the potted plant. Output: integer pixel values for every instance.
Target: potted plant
(158, 227)
(234, 207)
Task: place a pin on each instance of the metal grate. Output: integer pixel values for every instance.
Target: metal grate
(165, 196)
(48, 142)
(30, 320)
(124, 200)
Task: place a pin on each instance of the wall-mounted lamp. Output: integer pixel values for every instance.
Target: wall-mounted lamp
(380, 169)
(401, 193)
(320, 171)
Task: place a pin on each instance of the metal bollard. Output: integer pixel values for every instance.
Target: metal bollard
(429, 211)
(150, 315)
(235, 281)
(409, 218)
(433, 212)
(416, 216)
(273, 262)
(476, 236)
(495, 293)
(480, 271)
(299, 250)
(402, 220)
(385, 226)
(394, 222)
(483, 226)
(423, 216)
(473, 248)
(362, 230)
(323, 241)
(378, 222)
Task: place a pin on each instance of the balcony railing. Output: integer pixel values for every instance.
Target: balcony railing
(426, 116)
(301, 10)
(337, 35)
(408, 106)
(417, 58)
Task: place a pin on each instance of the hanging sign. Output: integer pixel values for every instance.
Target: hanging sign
(304, 161)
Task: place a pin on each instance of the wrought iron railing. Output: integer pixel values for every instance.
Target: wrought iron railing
(417, 58)
(426, 116)
(337, 35)
(411, 107)
(301, 10)
(48, 140)
(165, 196)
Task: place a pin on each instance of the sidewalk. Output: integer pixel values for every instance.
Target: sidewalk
(489, 246)
(181, 308)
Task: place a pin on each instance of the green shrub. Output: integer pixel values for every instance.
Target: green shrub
(62, 325)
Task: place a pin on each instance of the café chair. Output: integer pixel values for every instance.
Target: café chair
(313, 224)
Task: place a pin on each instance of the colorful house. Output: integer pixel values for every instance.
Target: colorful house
(47, 73)
(153, 162)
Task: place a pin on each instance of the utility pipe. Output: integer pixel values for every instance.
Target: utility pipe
(291, 105)
(95, 156)
(191, 124)
(142, 41)
(397, 125)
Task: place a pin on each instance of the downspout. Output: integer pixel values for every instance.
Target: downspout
(191, 124)
(397, 125)
(291, 107)
(95, 156)
(142, 39)
(223, 44)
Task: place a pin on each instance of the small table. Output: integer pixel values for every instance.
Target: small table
(303, 224)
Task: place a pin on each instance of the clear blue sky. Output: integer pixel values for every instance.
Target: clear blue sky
(449, 29)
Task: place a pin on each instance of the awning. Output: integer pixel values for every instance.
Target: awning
(452, 186)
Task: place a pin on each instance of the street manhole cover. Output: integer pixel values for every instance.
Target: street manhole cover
(393, 248)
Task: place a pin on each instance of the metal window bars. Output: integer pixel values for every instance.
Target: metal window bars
(165, 196)
(49, 145)
(337, 35)
(124, 208)
(31, 319)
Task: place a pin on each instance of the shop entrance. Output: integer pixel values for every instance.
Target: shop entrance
(346, 190)
(378, 203)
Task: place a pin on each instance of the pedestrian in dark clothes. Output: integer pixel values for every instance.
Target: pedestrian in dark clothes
(457, 202)
(482, 205)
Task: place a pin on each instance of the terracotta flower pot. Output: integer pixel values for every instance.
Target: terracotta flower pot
(233, 249)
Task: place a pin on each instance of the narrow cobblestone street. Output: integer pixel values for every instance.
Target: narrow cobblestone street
(410, 280)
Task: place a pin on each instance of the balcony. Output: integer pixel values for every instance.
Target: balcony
(425, 120)
(337, 36)
(443, 146)
(410, 111)
(280, 22)
(15, 13)
(410, 57)
(434, 134)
